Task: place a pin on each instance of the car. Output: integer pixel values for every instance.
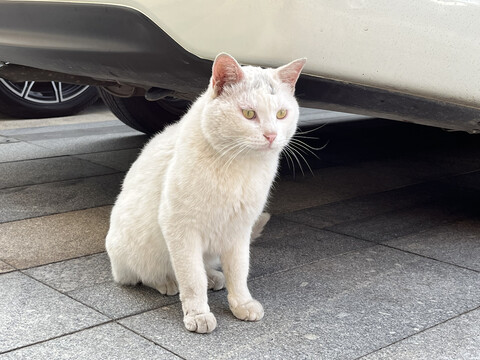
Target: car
(33, 99)
(414, 61)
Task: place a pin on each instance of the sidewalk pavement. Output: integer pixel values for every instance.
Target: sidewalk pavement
(374, 256)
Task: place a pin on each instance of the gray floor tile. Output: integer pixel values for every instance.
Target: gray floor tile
(286, 245)
(414, 168)
(458, 338)
(330, 185)
(23, 151)
(64, 133)
(7, 140)
(36, 312)
(338, 308)
(470, 180)
(109, 341)
(47, 239)
(395, 224)
(5, 267)
(48, 170)
(62, 127)
(93, 143)
(46, 199)
(117, 301)
(454, 159)
(368, 205)
(457, 243)
(73, 274)
(119, 159)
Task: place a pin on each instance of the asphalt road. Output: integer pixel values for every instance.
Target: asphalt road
(373, 252)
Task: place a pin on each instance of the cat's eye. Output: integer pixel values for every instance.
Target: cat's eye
(249, 114)
(281, 114)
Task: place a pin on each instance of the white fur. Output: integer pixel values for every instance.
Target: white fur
(197, 189)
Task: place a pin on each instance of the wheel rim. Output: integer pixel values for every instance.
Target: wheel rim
(44, 92)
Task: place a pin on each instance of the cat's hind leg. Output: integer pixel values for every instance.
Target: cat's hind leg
(216, 280)
(167, 286)
(259, 225)
(122, 274)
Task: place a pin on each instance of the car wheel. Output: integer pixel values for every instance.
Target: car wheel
(146, 116)
(32, 99)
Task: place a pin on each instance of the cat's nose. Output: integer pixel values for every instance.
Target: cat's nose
(270, 137)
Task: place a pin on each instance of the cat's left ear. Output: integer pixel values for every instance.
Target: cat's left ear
(225, 71)
(289, 73)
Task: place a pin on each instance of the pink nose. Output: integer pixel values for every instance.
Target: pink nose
(270, 137)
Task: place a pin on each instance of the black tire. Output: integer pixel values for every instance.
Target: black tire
(146, 116)
(44, 99)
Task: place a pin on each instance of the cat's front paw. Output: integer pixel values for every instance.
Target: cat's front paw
(250, 311)
(200, 323)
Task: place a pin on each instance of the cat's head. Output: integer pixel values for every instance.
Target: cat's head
(251, 108)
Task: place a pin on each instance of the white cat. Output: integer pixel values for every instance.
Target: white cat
(196, 191)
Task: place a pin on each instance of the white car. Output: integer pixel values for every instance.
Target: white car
(411, 60)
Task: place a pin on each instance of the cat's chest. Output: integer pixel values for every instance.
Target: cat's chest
(243, 187)
(220, 196)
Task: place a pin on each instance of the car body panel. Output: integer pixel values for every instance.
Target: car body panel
(427, 48)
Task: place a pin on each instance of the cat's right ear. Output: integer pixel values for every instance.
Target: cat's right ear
(289, 73)
(226, 71)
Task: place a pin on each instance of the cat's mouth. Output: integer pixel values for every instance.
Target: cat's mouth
(269, 147)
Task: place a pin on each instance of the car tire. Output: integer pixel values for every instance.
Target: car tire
(145, 116)
(32, 99)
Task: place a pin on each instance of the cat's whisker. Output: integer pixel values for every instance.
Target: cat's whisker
(288, 153)
(288, 158)
(311, 130)
(290, 150)
(312, 147)
(295, 136)
(296, 150)
(225, 150)
(307, 148)
(242, 146)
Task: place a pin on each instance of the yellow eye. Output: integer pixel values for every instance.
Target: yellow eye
(281, 114)
(249, 114)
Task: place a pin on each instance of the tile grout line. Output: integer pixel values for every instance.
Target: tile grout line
(57, 213)
(82, 131)
(400, 187)
(58, 261)
(311, 262)
(58, 337)
(65, 122)
(60, 181)
(14, 268)
(150, 340)
(112, 320)
(431, 258)
(420, 332)
(64, 293)
(114, 171)
(65, 155)
(77, 157)
(383, 244)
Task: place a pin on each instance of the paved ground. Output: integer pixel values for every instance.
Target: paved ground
(376, 256)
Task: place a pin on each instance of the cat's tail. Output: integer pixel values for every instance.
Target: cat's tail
(259, 225)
